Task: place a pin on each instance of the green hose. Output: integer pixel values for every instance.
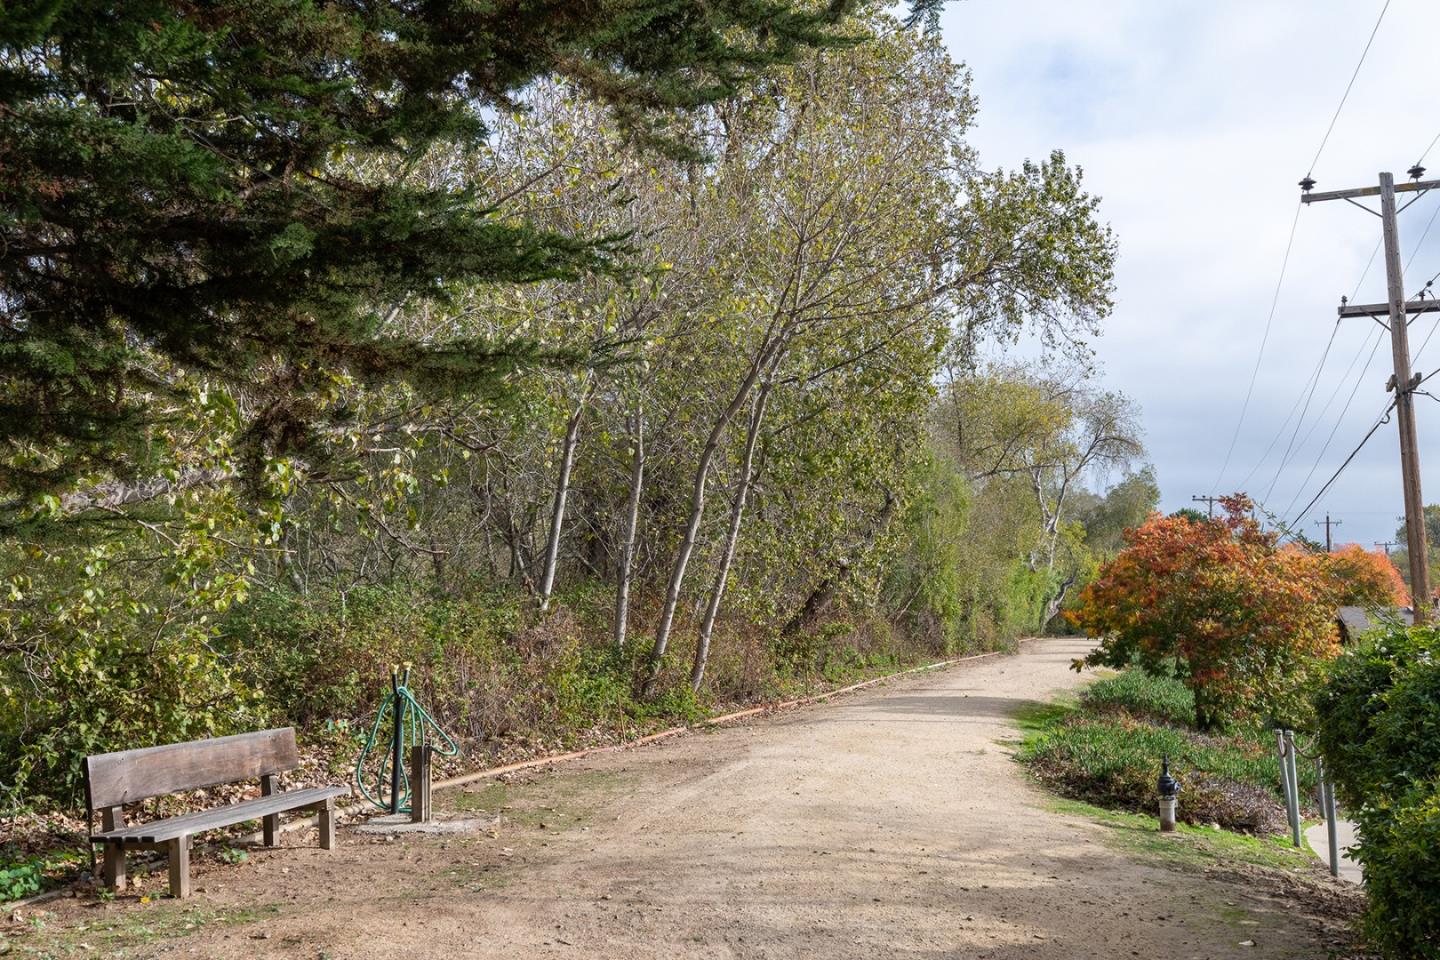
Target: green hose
(417, 727)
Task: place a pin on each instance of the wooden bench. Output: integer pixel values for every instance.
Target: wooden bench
(128, 776)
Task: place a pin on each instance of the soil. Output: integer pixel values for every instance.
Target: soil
(888, 824)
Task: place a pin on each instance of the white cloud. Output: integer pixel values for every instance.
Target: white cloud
(1194, 122)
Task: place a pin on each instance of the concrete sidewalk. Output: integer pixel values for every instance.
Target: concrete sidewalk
(1320, 843)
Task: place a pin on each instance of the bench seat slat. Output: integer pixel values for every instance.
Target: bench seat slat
(158, 831)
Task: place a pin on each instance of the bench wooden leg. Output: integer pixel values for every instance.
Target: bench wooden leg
(327, 824)
(271, 824)
(115, 867)
(113, 818)
(179, 850)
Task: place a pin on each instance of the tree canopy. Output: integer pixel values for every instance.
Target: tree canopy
(190, 189)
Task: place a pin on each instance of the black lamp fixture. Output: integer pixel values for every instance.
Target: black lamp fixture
(1168, 786)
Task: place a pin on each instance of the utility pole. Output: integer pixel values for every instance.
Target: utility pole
(1327, 523)
(1210, 501)
(1386, 545)
(1397, 309)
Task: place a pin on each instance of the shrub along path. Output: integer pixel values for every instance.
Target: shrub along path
(893, 823)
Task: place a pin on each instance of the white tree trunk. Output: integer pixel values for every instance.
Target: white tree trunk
(632, 522)
(562, 491)
(697, 511)
(732, 538)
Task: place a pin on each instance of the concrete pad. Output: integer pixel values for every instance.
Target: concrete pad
(1319, 841)
(392, 823)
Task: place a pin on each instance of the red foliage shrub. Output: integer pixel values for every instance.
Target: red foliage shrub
(1241, 619)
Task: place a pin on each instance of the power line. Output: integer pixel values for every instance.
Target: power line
(1339, 420)
(1264, 339)
(1294, 408)
(1348, 87)
(1379, 336)
(1421, 242)
(1346, 408)
(1314, 376)
(1427, 150)
(1398, 308)
(1285, 457)
(1426, 342)
(1384, 419)
(1290, 244)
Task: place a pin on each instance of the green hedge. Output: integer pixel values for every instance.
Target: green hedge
(1379, 716)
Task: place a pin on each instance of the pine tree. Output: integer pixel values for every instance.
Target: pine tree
(179, 190)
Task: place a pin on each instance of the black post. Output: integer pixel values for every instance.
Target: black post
(397, 762)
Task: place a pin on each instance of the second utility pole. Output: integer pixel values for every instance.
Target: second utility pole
(1397, 309)
(1328, 523)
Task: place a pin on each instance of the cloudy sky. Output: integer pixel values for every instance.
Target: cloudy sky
(1194, 122)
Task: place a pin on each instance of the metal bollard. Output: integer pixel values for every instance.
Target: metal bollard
(397, 738)
(1332, 828)
(1289, 761)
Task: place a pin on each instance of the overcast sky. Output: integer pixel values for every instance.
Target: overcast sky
(1194, 122)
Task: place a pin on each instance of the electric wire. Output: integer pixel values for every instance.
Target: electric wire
(1426, 342)
(1290, 244)
(1338, 420)
(1309, 397)
(1427, 150)
(1421, 242)
(1259, 357)
(1308, 383)
(1294, 409)
(1379, 336)
(1384, 418)
(1349, 86)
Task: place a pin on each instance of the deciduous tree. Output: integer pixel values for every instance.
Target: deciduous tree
(1243, 620)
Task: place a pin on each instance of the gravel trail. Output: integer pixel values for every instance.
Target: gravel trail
(888, 824)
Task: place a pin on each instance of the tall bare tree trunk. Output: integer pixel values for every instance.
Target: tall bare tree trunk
(562, 491)
(632, 522)
(697, 511)
(732, 538)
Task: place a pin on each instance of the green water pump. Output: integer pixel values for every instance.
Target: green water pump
(410, 725)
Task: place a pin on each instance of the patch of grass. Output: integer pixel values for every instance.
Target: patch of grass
(1142, 695)
(550, 801)
(1189, 846)
(1036, 719)
(1106, 748)
(489, 798)
(122, 934)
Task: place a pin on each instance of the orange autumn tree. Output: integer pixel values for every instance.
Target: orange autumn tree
(1241, 620)
(1366, 578)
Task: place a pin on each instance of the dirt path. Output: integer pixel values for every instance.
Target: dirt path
(890, 824)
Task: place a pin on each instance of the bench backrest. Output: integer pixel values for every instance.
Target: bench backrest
(114, 779)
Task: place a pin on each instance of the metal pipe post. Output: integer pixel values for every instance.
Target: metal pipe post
(1295, 823)
(397, 760)
(1285, 785)
(1332, 826)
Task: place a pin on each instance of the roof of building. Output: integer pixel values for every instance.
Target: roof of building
(1357, 621)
